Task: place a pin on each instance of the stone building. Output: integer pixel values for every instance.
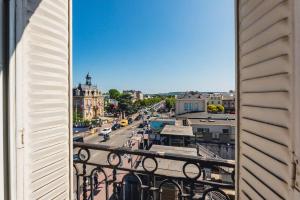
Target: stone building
(88, 101)
(215, 99)
(190, 102)
(136, 95)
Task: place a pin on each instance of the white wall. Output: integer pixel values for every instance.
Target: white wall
(197, 106)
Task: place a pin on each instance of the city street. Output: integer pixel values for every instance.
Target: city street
(117, 138)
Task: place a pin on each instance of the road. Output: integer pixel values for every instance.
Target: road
(117, 138)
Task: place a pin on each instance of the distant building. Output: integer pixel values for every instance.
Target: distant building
(215, 98)
(174, 135)
(215, 132)
(190, 102)
(88, 101)
(147, 96)
(136, 95)
(229, 104)
(113, 102)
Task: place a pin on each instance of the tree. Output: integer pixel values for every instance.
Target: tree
(114, 93)
(170, 102)
(212, 108)
(125, 104)
(220, 108)
(111, 108)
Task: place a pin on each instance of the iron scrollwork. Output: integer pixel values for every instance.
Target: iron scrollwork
(116, 178)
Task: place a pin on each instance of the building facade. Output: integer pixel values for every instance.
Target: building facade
(215, 99)
(88, 102)
(190, 102)
(229, 104)
(216, 135)
(136, 95)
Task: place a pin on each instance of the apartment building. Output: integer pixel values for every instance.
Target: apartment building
(190, 102)
(215, 99)
(36, 101)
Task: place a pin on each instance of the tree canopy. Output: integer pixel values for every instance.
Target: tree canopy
(170, 102)
(114, 93)
(215, 108)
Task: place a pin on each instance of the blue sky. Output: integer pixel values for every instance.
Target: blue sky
(155, 45)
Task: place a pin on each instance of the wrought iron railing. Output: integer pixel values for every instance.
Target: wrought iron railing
(106, 172)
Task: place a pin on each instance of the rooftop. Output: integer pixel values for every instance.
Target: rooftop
(177, 130)
(190, 95)
(212, 122)
(172, 167)
(205, 115)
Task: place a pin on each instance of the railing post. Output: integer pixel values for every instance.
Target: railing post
(84, 181)
(115, 189)
(192, 188)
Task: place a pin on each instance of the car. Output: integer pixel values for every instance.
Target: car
(105, 131)
(140, 132)
(124, 122)
(116, 126)
(142, 125)
(130, 120)
(78, 139)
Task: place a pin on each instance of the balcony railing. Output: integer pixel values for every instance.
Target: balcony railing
(106, 172)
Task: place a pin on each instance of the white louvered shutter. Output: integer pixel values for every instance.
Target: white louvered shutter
(43, 59)
(266, 83)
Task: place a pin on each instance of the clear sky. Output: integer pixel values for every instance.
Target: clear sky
(155, 45)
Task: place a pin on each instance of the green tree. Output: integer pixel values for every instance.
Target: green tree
(170, 102)
(220, 108)
(114, 93)
(125, 104)
(212, 108)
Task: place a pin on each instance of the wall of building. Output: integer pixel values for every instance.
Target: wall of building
(190, 105)
(215, 133)
(223, 150)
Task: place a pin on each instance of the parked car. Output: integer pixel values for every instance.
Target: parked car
(130, 120)
(142, 125)
(105, 131)
(124, 122)
(78, 139)
(116, 126)
(140, 132)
